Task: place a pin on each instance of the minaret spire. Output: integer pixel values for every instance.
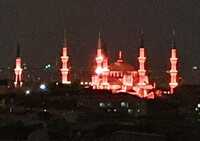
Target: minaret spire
(64, 58)
(173, 70)
(142, 60)
(100, 79)
(100, 56)
(143, 78)
(18, 69)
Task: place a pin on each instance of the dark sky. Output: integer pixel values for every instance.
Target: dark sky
(39, 24)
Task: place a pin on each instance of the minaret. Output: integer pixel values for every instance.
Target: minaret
(99, 57)
(142, 60)
(64, 58)
(173, 71)
(143, 78)
(18, 69)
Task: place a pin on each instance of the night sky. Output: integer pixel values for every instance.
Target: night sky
(38, 26)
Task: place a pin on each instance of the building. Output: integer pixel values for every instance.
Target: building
(123, 77)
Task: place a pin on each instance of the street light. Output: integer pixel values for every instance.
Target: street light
(27, 92)
(43, 87)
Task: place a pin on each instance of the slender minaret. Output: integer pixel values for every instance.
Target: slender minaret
(143, 78)
(99, 57)
(64, 58)
(18, 69)
(173, 71)
(142, 60)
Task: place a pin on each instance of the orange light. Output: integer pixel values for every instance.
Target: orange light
(64, 70)
(18, 73)
(173, 71)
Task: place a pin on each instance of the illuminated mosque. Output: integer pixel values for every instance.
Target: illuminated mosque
(123, 77)
(118, 76)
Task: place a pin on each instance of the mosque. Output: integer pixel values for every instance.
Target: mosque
(118, 76)
(123, 77)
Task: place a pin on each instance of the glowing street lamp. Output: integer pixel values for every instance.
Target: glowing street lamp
(43, 87)
(28, 92)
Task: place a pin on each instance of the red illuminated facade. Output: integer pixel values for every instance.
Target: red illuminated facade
(64, 69)
(18, 69)
(100, 79)
(121, 76)
(118, 76)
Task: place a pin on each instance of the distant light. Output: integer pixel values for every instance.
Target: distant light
(86, 86)
(101, 104)
(123, 104)
(130, 111)
(57, 83)
(198, 105)
(109, 104)
(109, 110)
(195, 68)
(47, 66)
(27, 92)
(43, 87)
(28, 75)
(165, 92)
(45, 110)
